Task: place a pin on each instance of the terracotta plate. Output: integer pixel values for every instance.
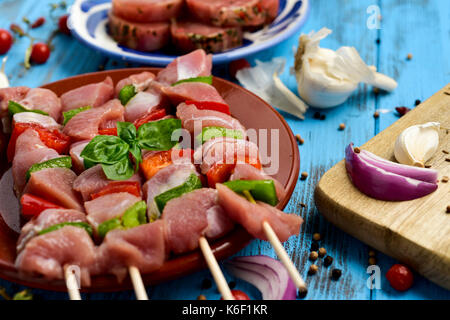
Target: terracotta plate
(250, 110)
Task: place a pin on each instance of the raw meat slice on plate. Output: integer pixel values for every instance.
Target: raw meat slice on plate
(140, 81)
(141, 104)
(190, 35)
(194, 91)
(44, 100)
(14, 93)
(147, 10)
(94, 95)
(137, 35)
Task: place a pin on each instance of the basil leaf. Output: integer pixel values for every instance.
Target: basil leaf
(108, 225)
(105, 150)
(135, 215)
(192, 183)
(62, 162)
(157, 135)
(126, 93)
(209, 133)
(15, 107)
(55, 227)
(71, 113)
(207, 80)
(137, 154)
(88, 164)
(121, 170)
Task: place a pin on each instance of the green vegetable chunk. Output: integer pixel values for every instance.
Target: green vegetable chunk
(62, 162)
(126, 93)
(132, 217)
(71, 113)
(209, 133)
(15, 107)
(23, 295)
(207, 80)
(157, 135)
(262, 190)
(192, 183)
(58, 226)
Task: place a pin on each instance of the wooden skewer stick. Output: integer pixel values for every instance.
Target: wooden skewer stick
(72, 284)
(218, 276)
(138, 284)
(280, 251)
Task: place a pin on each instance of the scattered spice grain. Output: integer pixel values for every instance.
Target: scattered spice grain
(448, 209)
(336, 274)
(376, 90)
(201, 297)
(206, 284)
(357, 150)
(303, 205)
(314, 246)
(417, 102)
(313, 269)
(299, 139)
(313, 256)
(302, 293)
(232, 284)
(372, 253)
(322, 252)
(342, 126)
(328, 261)
(402, 110)
(444, 179)
(409, 56)
(372, 261)
(445, 151)
(447, 159)
(323, 117)
(376, 114)
(304, 175)
(316, 237)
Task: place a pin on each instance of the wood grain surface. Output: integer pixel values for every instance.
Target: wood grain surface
(415, 232)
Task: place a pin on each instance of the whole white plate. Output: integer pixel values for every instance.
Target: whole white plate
(88, 19)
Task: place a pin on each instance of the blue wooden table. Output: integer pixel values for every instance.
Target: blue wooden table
(419, 27)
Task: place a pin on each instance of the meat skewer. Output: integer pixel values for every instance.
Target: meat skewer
(138, 284)
(72, 284)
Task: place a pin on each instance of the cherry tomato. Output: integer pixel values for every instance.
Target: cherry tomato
(6, 41)
(237, 65)
(400, 277)
(40, 52)
(239, 295)
(62, 24)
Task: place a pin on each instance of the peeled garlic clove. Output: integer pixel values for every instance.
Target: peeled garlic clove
(4, 82)
(417, 144)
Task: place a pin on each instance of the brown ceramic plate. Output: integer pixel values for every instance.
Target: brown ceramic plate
(250, 110)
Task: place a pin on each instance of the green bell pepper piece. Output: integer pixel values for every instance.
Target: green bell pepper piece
(72, 113)
(15, 107)
(209, 133)
(58, 226)
(109, 225)
(134, 216)
(126, 93)
(262, 190)
(62, 162)
(207, 80)
(192, 183)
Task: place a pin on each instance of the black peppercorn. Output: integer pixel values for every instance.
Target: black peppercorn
(206, 284)
(322, 117)
(302, 293)
(232, 284)
(314, 246)
(336, 274)
(327, 261)
(417, 102)
(316, 115)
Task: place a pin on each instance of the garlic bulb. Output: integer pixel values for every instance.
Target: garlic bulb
(417, 144)
(4, 83)
(263, 80)
(326, 78)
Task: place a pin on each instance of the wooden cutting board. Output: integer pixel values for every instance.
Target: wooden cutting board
(415, 232)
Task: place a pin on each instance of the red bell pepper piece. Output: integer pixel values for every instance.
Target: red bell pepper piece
(51, 138)
(210, 105)
(221, 172)
(132, 187)
(151, 164)
(32, 206)
(152, 116)
(108, 132)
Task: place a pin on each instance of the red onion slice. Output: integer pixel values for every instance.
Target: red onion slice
(378, 183)
(422, 174)
(266, 274)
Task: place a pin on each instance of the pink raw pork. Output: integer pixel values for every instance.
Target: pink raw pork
(139, 36)
(75, 153)
(192, 65)
(55, 185)
(94, 95)
(93, 180)
(29, 150)
(44, 100)
(251, 216)
(46, 219)
(140, 81)
(147, 10)
(85, 125)
(142, 247)
(191, 216)
(190, 35)
(232, 12)
(50, 253)
(109, 206)
(192, 118)
(196, 91)
(15, 94)
(141, 104)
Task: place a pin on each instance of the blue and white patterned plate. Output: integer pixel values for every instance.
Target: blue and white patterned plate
(88, 19)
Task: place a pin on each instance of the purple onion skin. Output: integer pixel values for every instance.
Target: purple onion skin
(381, 184)
(291, 291)
(422, 174)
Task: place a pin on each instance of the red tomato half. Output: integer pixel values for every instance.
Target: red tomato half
(32, 206)
(210, 105)
(132, 187)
